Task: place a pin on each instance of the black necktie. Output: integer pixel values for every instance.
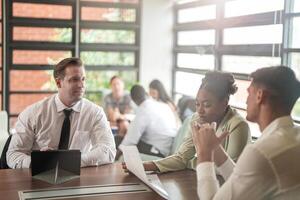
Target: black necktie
(65, 131)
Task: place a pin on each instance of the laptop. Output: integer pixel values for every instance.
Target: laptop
(55, 166)
(134, 165)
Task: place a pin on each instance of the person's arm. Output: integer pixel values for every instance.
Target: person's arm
(184, 154)
(223, 162)
(18, 153)
(252, 178)
(136, 129)
(103, 149)
(113, 114)
(180, 159)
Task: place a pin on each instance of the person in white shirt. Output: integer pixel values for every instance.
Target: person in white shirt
(63, 121)
(154, 126)
(267, 169)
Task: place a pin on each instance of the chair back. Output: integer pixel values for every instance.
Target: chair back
(3, 129)
(181, 134)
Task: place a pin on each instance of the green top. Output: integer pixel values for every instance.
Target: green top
(185, 157)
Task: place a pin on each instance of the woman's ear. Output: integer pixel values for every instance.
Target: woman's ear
(225, 102)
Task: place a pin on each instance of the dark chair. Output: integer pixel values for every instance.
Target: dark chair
(3, 163)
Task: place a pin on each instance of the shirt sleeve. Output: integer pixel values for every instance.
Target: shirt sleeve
(252, 178)
(207, 183)
(180, 159)
(226, 169)
(18, 153)
(136, 129)
(103, 149)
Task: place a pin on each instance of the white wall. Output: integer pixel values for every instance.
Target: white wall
(156, 42)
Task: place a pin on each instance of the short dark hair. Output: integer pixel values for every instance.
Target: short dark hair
(138, 93)
(59, 69)
(281, 83)
(221, 84)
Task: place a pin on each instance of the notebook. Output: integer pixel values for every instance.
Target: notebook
(134, 165)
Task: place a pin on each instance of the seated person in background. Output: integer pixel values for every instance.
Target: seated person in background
(118, 102)
(212, 106)
(158, 92)
(154, 126)
(63, 121)
(269, 168)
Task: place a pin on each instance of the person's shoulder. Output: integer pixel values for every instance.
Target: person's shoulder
(108, 97)
(41, 104)
(279, 141)
(91, 106)
(236, 119)
(127, 96)
(36, 108)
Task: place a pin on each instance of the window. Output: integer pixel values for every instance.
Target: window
(197, 14)
(109, 43)
(106, 38)
(291, 46)
(203, 37)
(238, 36)
(270, 34)
(188, 83)
(242, 7)
(295, 43)
(248, 64)
(196, 61)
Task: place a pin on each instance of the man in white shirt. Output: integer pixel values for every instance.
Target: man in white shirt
(154, 126)
(63, 121)
(269, 168)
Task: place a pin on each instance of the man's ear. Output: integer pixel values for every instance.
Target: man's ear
(261, 96)
(58, 82)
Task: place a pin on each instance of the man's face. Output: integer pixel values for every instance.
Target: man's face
(117, 86)
(252, 103)
(209, 107)
(71, 87)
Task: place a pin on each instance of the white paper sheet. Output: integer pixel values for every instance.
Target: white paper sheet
(134, 165)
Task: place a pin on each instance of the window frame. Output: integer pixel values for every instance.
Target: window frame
(74, 46)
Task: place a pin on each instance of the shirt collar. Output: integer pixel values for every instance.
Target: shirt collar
(285, 121)
(61, 106)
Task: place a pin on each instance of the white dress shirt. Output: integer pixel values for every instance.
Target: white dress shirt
(154, 124)
(267, 169)
(39, 126)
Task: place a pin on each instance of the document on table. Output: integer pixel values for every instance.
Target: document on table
(134, 165)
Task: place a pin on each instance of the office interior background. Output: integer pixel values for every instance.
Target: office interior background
(175, 41)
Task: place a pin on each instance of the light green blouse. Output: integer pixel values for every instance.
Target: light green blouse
(185, 157)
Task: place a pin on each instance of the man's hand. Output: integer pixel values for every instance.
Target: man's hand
(46, 148)
(206, 141)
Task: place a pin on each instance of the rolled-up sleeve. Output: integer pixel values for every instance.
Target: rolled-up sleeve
(252, 178)
(18, 153)
(103, 149)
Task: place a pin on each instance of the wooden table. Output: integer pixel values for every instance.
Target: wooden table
(179, 185)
